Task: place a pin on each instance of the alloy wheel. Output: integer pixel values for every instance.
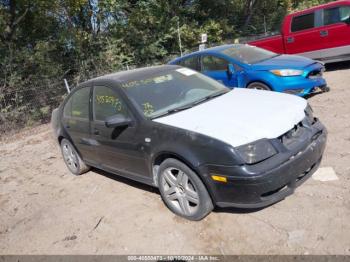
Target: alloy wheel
(70, 157)
(180, 191)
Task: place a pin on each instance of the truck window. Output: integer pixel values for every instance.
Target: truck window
(303, 22)
(336, 15)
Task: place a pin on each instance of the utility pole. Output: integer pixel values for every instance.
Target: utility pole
(67, 86)
(178, 34)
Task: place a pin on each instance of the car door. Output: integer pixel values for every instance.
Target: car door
(304, 35)
(216, 67)
(336, 31)
(117, 148)
(76, 121)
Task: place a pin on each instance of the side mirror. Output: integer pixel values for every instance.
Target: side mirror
(230, 70)
(347, 21)
(117, 121)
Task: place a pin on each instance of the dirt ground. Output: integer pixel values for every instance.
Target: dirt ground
(45, 210)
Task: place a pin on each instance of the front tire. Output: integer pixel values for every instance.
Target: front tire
(259, 86)
(182, 190)
(72, 159)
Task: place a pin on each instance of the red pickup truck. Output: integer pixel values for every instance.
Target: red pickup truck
(321, 33)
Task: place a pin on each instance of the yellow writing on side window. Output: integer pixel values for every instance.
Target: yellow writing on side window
(109, 100)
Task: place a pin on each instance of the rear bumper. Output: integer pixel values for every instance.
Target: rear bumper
(246, 187)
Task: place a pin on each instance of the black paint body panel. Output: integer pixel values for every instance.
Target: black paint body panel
(132, 151)
(266, 183)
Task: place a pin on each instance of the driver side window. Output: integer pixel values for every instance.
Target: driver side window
(107, 103)
(213, 63)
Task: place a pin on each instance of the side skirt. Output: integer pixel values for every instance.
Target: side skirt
(131, 176)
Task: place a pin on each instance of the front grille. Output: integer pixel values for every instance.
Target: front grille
(294, 91)
(293, 136)
(275, 191)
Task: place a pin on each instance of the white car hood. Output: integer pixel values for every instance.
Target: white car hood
(241, 116)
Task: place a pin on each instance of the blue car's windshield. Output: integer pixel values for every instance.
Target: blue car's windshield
(171, 91)
(248, 54)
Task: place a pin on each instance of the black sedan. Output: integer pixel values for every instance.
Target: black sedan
(200, 143)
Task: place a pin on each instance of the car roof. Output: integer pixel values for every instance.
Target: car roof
(322, 6)
(135, 74)
(211, 50)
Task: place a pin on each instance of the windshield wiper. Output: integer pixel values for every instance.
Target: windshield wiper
(268, 58)
(178, 109)
(209, 97)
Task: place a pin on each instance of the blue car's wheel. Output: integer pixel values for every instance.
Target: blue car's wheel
(258, 86)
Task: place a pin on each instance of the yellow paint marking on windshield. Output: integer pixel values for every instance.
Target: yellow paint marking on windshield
(155, 80)
(148, 109)
(76, 113)
(162, 79)
(109, 100)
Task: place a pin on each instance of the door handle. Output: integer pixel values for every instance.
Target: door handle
(290, 39)
(324, 33)
(96, 132)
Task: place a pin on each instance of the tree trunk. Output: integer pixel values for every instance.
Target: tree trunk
(248, 12)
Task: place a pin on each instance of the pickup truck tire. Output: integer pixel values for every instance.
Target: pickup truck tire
(259, 86)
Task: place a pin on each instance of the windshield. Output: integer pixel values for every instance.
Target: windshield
(171, 91)
(248, 54)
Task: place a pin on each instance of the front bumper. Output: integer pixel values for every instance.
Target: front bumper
(303, 87)
(263, 184)
(310, 82)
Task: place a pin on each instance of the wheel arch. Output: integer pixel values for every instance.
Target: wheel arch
(61, 137)
(259, 81)
(160, 157)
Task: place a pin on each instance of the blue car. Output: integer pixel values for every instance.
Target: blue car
(251, 67)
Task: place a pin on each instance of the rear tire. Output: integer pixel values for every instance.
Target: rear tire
(72, 159)
(182, 190)
(259, 86)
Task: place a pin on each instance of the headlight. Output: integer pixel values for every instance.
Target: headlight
(287, 72)
(256, 152)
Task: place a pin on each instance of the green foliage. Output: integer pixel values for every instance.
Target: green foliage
(297, 5)
(42, 42)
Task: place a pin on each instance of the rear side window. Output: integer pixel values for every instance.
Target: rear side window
(336, 15)
(303, 22)
(213, 63)
(107, 103)
(78, 104)
(191, 63)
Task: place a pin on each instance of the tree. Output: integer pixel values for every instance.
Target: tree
(42, 42)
